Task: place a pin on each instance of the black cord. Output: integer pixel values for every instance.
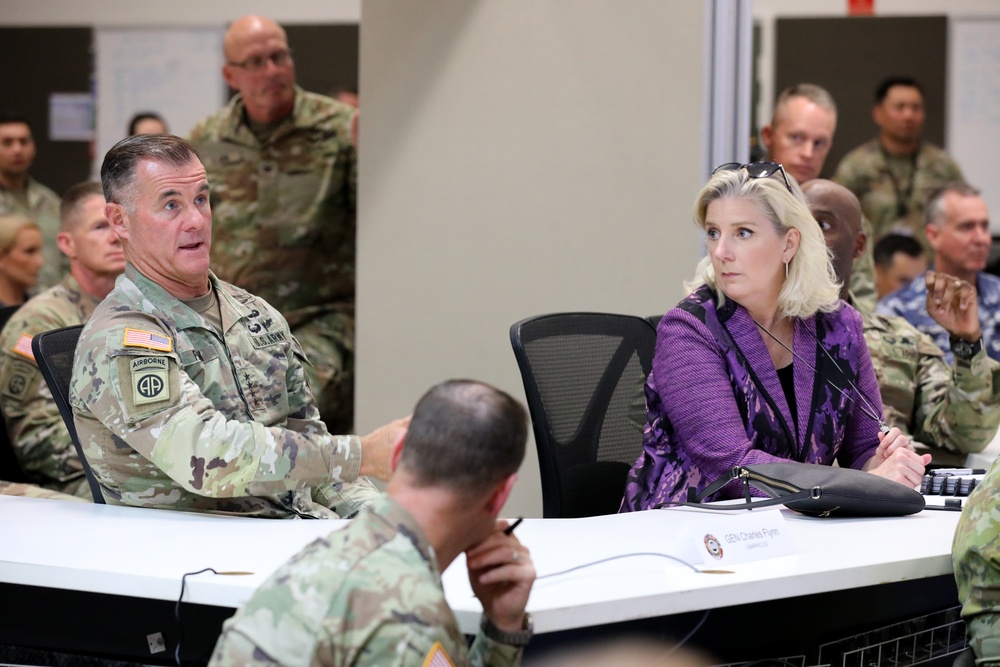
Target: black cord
(177, 612)
(611, 558)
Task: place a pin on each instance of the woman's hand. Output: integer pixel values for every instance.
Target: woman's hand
(895, 459)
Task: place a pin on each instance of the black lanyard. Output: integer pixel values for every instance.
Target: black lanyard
(902, 196)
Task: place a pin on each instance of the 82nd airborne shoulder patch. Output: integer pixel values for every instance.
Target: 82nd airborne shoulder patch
(149, 379)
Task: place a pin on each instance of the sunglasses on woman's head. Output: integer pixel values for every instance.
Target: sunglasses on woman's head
(756, 170)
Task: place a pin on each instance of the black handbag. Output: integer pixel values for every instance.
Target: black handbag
(818, 490)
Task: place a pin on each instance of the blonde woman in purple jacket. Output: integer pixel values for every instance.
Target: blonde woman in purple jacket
(762, 362)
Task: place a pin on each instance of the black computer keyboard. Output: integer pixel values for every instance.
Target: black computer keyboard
(950, 482)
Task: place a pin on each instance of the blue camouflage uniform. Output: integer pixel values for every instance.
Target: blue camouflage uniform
(910, 303)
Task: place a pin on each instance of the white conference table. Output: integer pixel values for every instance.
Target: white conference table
(139, 553)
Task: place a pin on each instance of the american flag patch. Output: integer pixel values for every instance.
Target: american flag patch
(436, 657)
(23, 346)
(147, 339)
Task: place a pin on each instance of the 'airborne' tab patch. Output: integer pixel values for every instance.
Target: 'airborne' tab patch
(149, 380)
(148, 340)
(23, 347)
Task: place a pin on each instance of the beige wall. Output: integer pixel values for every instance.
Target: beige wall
(517, 158)
(189, 13)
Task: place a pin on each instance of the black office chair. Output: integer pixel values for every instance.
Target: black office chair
(10, 468)
(53, 352)
(583, 376)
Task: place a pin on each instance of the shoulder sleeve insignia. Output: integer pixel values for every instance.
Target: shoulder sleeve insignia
(23, 346)
(150, 383)
(148, 340)
(437, 657)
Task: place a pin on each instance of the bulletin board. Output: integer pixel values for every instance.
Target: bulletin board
(974, 106)
(176, 73)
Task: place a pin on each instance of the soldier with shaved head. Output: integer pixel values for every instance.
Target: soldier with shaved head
(283, 169)
(955, 409)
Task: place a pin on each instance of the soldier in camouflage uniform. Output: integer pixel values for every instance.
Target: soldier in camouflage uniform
(975, 555)
(956, 410)
(35, 426)
(189, 393)
(283, 171)
(370, 594)
(20, 194)
(893, 174)
(32, 491)
(958, 228)
(799, 137)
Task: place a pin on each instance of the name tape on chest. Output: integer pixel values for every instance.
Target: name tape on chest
(148, 340)
(149, 379)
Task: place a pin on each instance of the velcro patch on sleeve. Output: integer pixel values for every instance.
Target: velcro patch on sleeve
(23, 347)
(149, 379)
(148, 340)
(20, 381)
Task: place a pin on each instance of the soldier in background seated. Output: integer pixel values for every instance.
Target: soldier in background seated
(36, 428)
(956, 410)
(899, 260)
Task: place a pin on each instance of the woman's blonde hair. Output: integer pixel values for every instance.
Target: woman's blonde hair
(10, 227)
(812, 284)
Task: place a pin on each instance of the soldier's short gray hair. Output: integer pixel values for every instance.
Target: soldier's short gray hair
(934, 210)
(120, 163)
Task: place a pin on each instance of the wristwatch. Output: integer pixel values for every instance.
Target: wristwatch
(519, 638)
(965, 350)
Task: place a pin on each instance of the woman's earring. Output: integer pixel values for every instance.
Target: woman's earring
(786, 270)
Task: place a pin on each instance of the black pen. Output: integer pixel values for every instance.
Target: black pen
(510, 529)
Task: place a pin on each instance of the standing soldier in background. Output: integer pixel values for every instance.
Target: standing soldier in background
(283, 172)
(20, 194)
(893, 174)
(36, 428)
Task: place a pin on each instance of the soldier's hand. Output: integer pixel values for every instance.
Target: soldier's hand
(501, 574)
(376, 449)
(952, 303)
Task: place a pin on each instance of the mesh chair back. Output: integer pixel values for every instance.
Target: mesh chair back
(53, 352)
(10, 468)
(583, 376)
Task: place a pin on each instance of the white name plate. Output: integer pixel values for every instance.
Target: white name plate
(740, 538)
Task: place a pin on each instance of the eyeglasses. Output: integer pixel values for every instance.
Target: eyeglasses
(756, 170)
(257, 63)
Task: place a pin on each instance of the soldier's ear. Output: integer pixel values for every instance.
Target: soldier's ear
(66, 244)
(766, 137)
(118, 219)
(397, 449)
(859, 245)
(495, 501)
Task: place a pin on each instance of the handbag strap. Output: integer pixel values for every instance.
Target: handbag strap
(736, 472)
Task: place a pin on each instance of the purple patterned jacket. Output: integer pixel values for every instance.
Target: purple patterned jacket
(714, 401)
